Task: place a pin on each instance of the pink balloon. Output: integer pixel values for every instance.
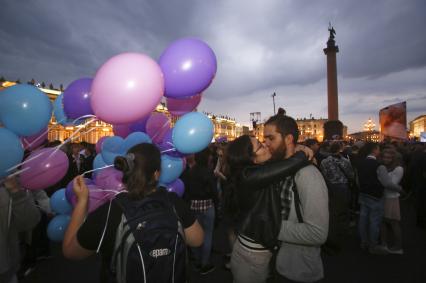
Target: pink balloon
(181, 106)
(97, 197)
(157, 126)
(99, 144)
(126, 88)
(34, 141)
(46, 167)
(110, 179)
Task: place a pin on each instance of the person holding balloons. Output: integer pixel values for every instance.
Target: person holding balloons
(18, 213)
(87, 234)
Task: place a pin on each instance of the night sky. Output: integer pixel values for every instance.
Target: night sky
(262, 47)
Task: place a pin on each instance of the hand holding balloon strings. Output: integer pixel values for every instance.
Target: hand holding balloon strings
(80, 189)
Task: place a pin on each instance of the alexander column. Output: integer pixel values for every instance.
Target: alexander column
(333, 126)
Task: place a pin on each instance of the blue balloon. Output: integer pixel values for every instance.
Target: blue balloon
(57, 227)
(24, 109)
(59, 202)
(111, 148)
(98, 162)
(171, 169)
(58, 111)
(11, 151)
(134, 139)
(192, 133)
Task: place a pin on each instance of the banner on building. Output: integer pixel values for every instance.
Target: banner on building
(393, 121)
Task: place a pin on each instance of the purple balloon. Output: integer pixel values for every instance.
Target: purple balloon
(69, 192)
(121, 130)
(77, 98)
(189, 66)
(45, 167)
(177, 187)
(110, 179)
(34, 141)
(181, 106)
(139, 126)
(157, 126)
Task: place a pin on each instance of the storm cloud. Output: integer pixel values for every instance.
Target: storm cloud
(262, 46)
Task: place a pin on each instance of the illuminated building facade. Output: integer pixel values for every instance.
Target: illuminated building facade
(308, 129)
(223, 126)
(418, 126)
(373, 136)
(369, 133)
(226, 126)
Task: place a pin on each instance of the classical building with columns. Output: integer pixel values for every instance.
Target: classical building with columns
(223, 125)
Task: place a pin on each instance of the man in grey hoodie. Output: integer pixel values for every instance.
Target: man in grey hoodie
(18, 213)
(302, 235)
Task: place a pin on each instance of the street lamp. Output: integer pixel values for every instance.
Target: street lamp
(273, 100)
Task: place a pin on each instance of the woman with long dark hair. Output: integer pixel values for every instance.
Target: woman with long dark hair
(253, 196)
(141, 171)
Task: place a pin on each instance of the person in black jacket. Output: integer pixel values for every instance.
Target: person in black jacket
(255, 198)
(201, 194)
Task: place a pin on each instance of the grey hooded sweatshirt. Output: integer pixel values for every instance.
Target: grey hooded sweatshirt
(18, 213)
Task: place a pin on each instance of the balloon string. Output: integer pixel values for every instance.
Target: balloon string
(38, 155)
(160, 130)
(97, 169)
(34, 141)
(16, 173)
(47, 130)
(83, 117)
(168, 150)
(73, 134)
(25, 161)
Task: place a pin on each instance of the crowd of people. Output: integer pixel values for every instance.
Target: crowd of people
(283, 204)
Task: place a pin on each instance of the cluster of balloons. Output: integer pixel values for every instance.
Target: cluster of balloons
(124, 92)
(58, 225)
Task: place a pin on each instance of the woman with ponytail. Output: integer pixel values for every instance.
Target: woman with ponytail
(96, 232)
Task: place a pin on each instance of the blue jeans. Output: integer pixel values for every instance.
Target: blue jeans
(206, 220)
(370, 219)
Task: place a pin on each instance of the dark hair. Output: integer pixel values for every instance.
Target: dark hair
(285, 126)
(281, 111)
(367, 149)
(335, 147)
(239, 154)
(202, 157)
(138, 167)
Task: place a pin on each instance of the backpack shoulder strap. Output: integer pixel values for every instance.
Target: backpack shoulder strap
(297, 202)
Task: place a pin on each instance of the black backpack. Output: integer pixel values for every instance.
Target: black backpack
(150, 244)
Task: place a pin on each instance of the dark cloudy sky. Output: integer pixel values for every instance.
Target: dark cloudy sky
(262, 46)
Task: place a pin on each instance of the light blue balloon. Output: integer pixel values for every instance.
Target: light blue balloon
(171, 169)
(134, 139)
(24, 109)
(111, 148)
(11, 151)
(58, 111)
(57, 227)
(98, 162)
(59, 202)
(192, 133)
